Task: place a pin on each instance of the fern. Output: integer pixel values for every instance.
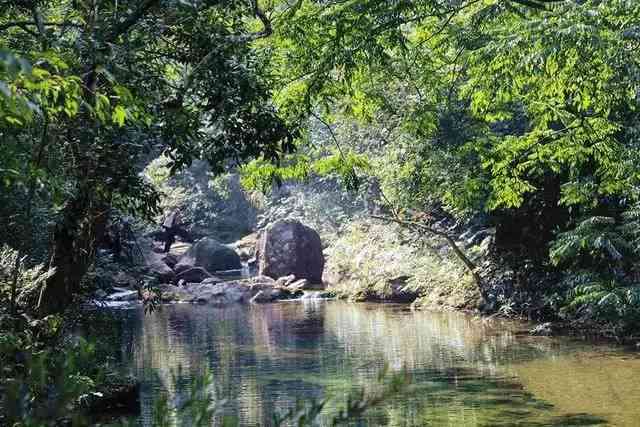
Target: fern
(597, 238)
(28, 280)
(630, 226)
(604, 301)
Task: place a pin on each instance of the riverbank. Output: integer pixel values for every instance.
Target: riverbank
(377, 262)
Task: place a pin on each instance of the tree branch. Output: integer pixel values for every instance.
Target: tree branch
(244, 38)
(471, 267)
(267, 29)
(132, 20)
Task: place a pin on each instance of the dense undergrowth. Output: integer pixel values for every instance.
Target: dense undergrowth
(364, 262)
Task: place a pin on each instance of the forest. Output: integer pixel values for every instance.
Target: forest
(196, 194)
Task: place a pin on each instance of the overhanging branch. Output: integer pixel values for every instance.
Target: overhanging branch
(471, 267)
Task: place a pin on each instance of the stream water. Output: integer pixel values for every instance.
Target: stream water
(464, 370)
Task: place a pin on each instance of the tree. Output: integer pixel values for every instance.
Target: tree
(112, 82)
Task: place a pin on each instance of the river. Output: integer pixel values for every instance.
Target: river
(464, 370)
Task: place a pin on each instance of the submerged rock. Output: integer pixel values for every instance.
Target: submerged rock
(288, 247)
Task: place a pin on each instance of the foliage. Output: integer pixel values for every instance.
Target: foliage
(368, 256)
(209, 205)
(595, 238)
(46, 384)
(89, 92)
(604, 303)
(20, 284)
(321, 203)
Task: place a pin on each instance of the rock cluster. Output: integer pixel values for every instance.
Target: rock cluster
(288, 252)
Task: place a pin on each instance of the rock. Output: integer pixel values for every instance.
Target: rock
(170, 259)
(398, 291)
(115, 399)
(246, 247)
(286, 280)
(228, 275)
(174, 293)
(543, 329)
(158, 268)
(195, 274)
(262, 280)
(299, 285)
(395, 291)
(289, 247)
(213, 291)
(124, 279)
(179, 248)
(219, 294)
(479, 236)
(162, 271)
(211, 255)
(305, 285)
(486, 245)
(252, 265)
(317, 295)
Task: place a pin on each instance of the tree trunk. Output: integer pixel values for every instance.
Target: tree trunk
(73, 251)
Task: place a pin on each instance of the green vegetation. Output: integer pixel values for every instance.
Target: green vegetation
(401, 130)
(510, 115)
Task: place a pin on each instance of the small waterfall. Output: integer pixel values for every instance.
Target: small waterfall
(245, 271)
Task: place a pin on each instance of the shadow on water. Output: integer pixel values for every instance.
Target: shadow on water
(465, 370)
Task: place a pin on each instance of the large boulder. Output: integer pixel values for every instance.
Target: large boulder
(289, 247)
(209, 254)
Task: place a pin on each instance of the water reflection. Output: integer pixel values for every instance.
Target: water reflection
(466, 371)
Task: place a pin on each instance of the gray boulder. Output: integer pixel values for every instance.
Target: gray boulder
(218, 294)
(209, 254)
(288, 247)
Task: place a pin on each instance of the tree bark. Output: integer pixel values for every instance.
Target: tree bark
(73, 251)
